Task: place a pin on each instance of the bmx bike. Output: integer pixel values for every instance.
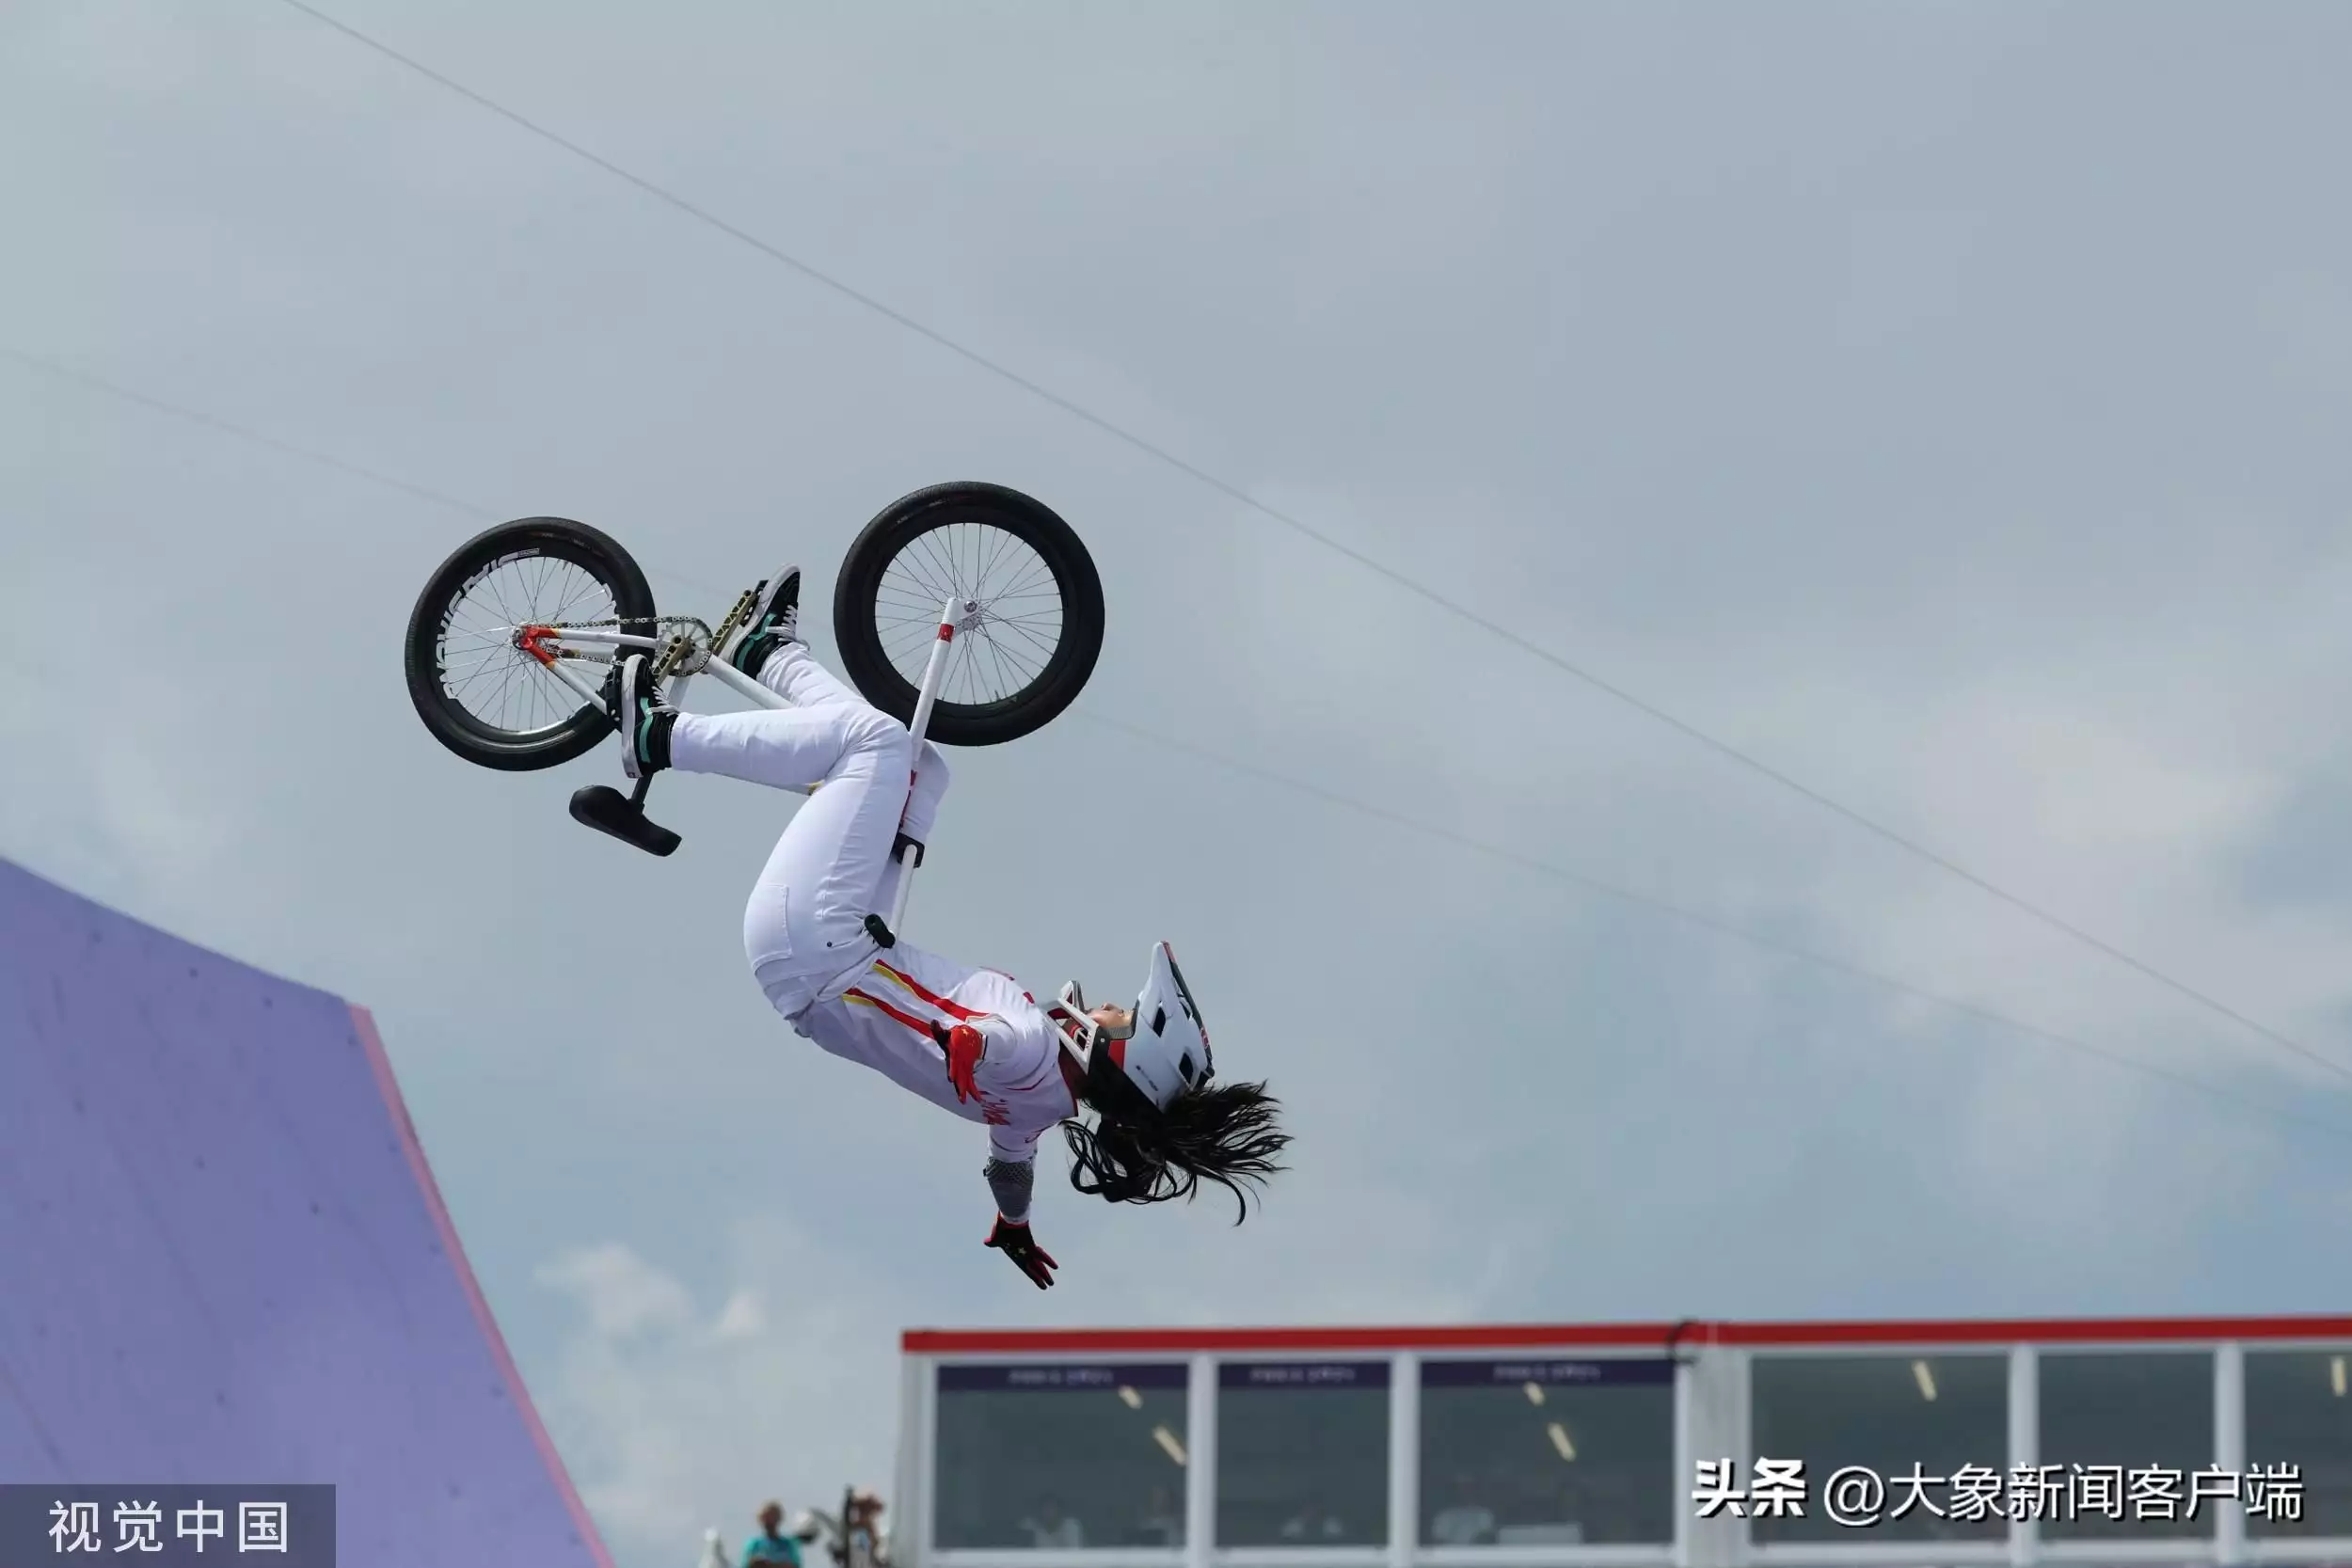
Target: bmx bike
(970, 612)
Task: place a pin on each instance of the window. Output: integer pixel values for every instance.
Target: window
(1060, 1456)
(1541, 1452)
(1934, 1429)
(2123, 1436)
(2298, 1415)
(1302, 1454)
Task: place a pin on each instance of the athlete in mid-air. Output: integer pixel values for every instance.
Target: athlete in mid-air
(972, 1041)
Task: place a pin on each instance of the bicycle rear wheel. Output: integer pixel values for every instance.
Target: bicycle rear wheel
(480, 643)
(1034, 634)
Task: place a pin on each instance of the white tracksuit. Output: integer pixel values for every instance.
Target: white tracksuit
(804, 930)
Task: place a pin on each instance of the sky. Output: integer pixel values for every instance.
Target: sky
(1938, 404)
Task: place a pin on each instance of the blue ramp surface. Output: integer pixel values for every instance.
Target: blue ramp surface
(223, 1258)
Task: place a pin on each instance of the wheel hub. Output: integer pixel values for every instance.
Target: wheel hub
(532, 642)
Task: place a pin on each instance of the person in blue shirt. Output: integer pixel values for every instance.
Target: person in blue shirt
(771, 1548)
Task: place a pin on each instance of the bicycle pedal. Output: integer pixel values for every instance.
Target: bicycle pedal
(610, 812)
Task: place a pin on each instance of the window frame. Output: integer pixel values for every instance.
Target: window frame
(1012, 1557)
(1302, 1556)
(1712, 1386)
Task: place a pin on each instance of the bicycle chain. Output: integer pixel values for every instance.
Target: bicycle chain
(674, 651)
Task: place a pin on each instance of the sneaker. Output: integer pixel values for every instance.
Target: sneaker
(776, 620)
(641, 715)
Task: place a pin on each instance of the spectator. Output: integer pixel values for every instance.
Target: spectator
(771, 1548)
(868, 1545)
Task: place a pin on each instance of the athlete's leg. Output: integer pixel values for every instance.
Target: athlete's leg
(771, 650)
(785, 747)
(931, 779)
(805, 919)
(793, 673)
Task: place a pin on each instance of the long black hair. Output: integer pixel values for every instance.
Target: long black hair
(1140, 1154)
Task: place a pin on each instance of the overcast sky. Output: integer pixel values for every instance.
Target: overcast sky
(1942, 403)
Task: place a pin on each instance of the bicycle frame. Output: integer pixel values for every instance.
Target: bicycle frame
(728, 675)
(927, 696)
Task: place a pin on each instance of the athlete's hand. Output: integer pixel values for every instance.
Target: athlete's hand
(963, 1046)
(1016, 1242)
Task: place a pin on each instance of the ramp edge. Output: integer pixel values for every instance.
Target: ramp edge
(397, 1107)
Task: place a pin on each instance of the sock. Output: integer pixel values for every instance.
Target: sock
(657, 733)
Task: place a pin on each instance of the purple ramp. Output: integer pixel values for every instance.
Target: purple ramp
(223, 1258)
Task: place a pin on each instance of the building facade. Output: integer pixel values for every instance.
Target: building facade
(1702, 1445)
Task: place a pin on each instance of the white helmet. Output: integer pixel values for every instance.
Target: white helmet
(1164, 1049)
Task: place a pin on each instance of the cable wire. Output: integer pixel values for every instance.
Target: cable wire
(474, 510)
(1400, 578)
(194, 416)
(1712, 924)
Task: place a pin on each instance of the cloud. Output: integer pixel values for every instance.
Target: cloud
(626, 1298)
(684, 1416)
(741, 1318)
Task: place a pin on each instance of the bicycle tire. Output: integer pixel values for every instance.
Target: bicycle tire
(894, 530)
(477, 740)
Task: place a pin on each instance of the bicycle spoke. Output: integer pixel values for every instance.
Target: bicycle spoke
(1010, 639)
(1046, 649)
(997, 657)
(1019, 588)
(1014, 654)
(483, 670)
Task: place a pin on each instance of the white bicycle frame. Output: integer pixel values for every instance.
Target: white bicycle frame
(934, 676)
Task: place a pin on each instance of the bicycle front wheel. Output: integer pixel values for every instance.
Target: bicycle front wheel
(1037, 627)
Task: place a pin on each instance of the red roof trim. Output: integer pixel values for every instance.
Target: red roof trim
(1654, 1337)
(939, 1341)
(2041, 1330)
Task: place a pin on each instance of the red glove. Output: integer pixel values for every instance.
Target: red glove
(965, 1046)
(1016, 1242)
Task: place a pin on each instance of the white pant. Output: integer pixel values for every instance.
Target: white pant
(804, 927)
